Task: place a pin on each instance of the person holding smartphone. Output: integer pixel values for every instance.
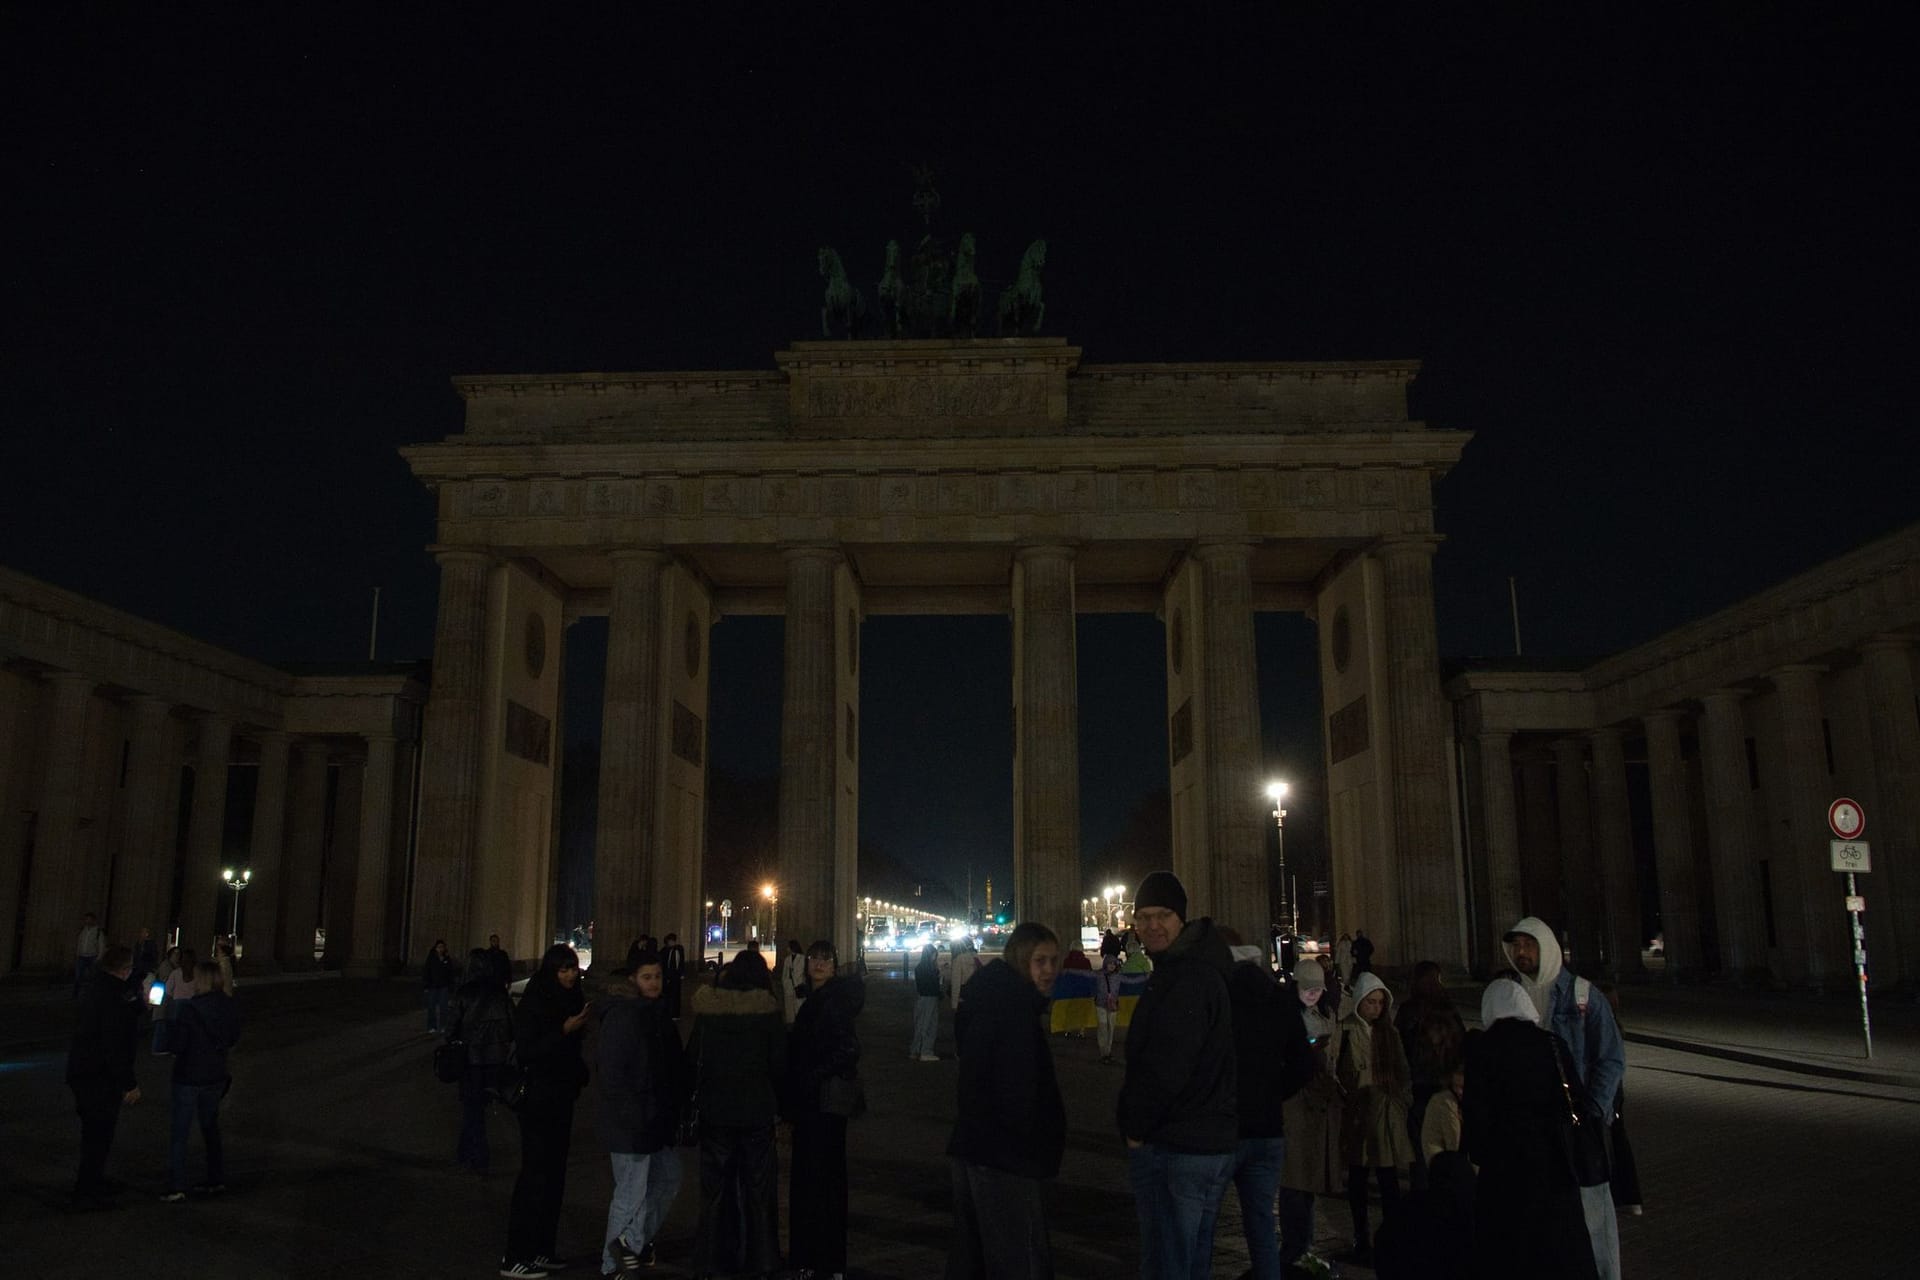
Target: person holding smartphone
(546, 1041)
(1312, 1165)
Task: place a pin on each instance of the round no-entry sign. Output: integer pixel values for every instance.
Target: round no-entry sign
(1847, 819)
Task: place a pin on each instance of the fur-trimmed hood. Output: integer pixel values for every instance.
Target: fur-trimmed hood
(720, 1002)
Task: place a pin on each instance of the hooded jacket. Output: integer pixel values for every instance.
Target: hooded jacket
(1591, 1035)
(739, 1055)
(1379, 1094)
(204, 1029)
(1179, 1092)
(1271, 1058)
(1010, 1114)
(642, 1077)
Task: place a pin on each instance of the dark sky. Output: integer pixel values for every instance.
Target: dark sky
(1660, 262)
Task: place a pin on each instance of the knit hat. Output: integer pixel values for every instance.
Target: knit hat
(1162, 889)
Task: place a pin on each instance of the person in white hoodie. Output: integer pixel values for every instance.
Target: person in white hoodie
(1570, 1008)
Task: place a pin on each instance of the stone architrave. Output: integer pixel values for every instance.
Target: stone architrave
(809, 817)
(629, 746)
(1423, 834)
(1046, 753)
(143, 872)
(1579, 875)
(261, 915)
(1500, 830)
(54, 904)
(202, 889)
(1673, 846)
(305, 852)
(371, 950)
(450, 774)
(1613, 840)
(1895, 829)
(1818, 952)
(1732, 835)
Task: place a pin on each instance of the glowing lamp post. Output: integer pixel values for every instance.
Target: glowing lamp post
(773, 911)
(236, 881)
(1277, 792)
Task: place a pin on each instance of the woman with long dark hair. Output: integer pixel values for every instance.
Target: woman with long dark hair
(823, 1093)
(1373, 1071)
(546, 1040)
(480, 1018)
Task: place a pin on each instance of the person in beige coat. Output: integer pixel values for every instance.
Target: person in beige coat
(1313, 1165)
(1372, 1068)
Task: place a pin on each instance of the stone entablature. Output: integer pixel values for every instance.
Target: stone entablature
(61, 630)
(940, 390)
(361, 706)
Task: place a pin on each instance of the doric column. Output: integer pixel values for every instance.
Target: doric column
(201, 888)
(1732, 835)
(807, 739)
(1673, 845)
(629, 752)
(1579, 876)
(262, 933)
(1046, 752)
(1818, 949)
(143, 873)
(371, 948)
(1500, 829)
(1423, 836)
(450, 778)
(1613, 840)
(56, 882)
(306, 848)
(1894, 825)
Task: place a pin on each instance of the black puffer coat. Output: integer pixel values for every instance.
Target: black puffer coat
(1180, 1085)
(481, 1015)
(642, 1077)
(1010, 1115)
(824, 1043)
(1271, 1058)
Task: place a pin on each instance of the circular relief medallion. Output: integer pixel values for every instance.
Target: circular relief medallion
(1177, 642)
(536, 645)
(853, 643)
(690, 646)
(1340, 642)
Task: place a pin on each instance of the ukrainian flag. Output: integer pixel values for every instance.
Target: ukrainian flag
(1074, 992)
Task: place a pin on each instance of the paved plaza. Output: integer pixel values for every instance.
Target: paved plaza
(1768, 1149)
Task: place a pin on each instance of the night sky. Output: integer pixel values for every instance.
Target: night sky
(1660, 262)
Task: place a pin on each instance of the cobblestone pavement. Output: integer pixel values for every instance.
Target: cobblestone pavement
(340, 1161)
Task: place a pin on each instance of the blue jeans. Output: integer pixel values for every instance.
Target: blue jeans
(644, 1186)
(1256, 1176)
(191, 1102)
(1176, 1196)
(82, 967)
(436, 1008)
(926, 1024)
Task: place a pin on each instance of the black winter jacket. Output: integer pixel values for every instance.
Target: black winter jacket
(106, 1028)
(642, 1077)
(482, 1016)
(439, 971)
(739, 1053)
(549, 1057)
(204, 1028)
(1272, 1061)
(1010, 1115)
(823, 1042)
(1180, 1087)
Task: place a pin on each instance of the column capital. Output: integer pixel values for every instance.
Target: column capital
(645, 555)
(1567, 748)
(1407, 544)
(1724, 696)
(1501, 737)
(150, 705)
(812, 551)
(276, 737)
(1606, 733)
(1045, 551)
(1800, 673)
(1664, 715)
(448, 556)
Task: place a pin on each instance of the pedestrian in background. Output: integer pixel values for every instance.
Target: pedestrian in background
(926, 1006)
(86, 950)
(502, 963)
(965, 963)
(439, 977)
(673, 973)
(1524, 1130)
(546, 1043)
(207, 1026)
(1313, 1166)
(1106, 1002)
(1373, 1074)
(793, 979)
(106, 1028)
(480, 1019)
(1431, 1033)
(1272, 1064)
(1343, 960)
(146, 957)
(823, 1092)
(223, 956)
(1362, 954)
(1010, 1124)
(1176, 1106)
(643, 1083)
(179, 990)
(739, 1055)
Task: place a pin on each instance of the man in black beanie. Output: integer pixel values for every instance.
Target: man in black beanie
(1177, 1104)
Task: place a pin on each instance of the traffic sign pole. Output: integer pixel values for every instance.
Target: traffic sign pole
(1860, 960)
(1848, 822)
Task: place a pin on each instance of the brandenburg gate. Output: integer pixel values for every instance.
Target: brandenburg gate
(931, 477)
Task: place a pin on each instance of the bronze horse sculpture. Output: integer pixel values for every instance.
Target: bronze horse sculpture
(892, 291)
(1021, 309)
(963, 310)
(843, 305)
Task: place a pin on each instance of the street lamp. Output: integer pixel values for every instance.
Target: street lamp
(773, 908)
(1277, 792)
(236, 881)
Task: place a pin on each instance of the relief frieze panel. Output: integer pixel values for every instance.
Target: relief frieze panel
(928, 396)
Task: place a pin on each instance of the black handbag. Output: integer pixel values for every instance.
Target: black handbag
(449, 1061)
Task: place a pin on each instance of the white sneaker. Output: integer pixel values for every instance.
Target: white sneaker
(929, 1057)
(523, 1271)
